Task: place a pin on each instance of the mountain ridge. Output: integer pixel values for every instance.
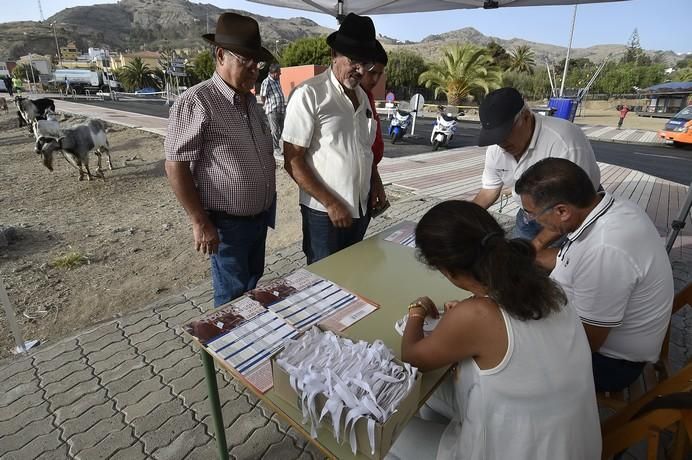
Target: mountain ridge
(131, 25)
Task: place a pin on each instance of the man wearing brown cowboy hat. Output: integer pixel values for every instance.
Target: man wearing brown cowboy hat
(220, 162)
(328, 134)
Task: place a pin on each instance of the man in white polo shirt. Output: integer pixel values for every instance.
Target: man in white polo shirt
(613, 266)
(517, 139)
(328, 134)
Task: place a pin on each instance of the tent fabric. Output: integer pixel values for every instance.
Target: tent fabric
(371, 7)
(684, 87)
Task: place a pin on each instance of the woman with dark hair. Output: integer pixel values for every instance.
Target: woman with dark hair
(523, 387)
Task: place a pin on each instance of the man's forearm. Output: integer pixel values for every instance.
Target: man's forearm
(304, 176)
(544, 238)
(180, 178)
(546, 258)
(486, 197)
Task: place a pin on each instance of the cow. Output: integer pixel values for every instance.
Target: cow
(76, 142)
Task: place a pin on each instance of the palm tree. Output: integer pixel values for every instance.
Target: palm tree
(521, 59)
(137, 74)
(684, 74)
(463, 70)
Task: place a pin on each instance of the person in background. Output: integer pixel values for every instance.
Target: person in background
(613, 266)
(327, 141)
(516, 139)
(522, 389)
(378, 197)
(8, 84)
(219, 159)
(272, 96)
(624, 110)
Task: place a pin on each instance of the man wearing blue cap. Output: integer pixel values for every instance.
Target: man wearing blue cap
(517, 139)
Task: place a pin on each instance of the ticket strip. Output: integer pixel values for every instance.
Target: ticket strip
(247, 332)
(359, 381)
(405, 235)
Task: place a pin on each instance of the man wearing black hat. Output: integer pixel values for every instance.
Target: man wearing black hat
(220, 162)
(328, 135)
(517, 139)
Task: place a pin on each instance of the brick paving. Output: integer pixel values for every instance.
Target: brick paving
(133, 388)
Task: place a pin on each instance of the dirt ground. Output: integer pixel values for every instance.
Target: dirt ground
(89, 251)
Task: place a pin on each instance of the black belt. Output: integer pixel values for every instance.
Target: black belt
(226, 216)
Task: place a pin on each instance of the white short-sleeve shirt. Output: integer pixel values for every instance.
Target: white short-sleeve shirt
(552, 137)
(320, 117)
(616, 273)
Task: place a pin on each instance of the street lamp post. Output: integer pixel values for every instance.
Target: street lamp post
(57, 47)
(33, 75)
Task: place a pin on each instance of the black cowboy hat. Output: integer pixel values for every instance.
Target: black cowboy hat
(355, 38)
(240, 34)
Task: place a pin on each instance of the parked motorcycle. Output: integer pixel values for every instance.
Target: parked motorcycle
(443, 129)
(399, 125)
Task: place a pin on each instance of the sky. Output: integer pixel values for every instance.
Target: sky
(662, 24)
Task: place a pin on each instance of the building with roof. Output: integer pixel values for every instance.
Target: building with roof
(150, 58)
(666, 99)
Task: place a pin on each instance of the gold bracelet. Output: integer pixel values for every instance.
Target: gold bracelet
(415, 304)
(415, 315)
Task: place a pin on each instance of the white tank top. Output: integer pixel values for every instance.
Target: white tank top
(538, 403)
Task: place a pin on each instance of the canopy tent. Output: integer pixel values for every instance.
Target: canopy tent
(340, 8)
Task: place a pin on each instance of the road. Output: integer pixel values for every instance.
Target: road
(665, 162)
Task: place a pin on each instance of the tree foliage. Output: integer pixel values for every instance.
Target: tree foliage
(623, 78)
(634, 54)
(306, 51)
(24, 71)
(464, 70)
(522, 59)
(203, 65)
(500, 55)
(137, 75)
(684, 74)
(533, 86)
(404, 68)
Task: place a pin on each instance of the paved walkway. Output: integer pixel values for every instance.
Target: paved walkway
(158, 125)
(133, 388)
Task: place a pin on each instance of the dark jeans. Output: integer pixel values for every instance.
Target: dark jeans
(321, 238)
(612, 374)
(239, 261)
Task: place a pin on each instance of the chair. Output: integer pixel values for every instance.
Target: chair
(671, 410)
(652, 373)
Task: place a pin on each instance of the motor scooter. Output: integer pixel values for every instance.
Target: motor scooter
(444, 128)
(399, 125)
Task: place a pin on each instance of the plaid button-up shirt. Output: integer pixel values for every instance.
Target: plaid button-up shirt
(274, 96)
(226, 138)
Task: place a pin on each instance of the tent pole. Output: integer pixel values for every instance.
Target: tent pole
(569, 48)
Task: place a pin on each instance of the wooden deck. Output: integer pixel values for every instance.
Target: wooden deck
(457, 173)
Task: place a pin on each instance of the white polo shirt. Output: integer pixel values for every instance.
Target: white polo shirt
(552, 137)
(616, 273)
(320, 117)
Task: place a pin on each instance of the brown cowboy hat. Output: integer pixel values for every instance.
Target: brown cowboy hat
(240, 34)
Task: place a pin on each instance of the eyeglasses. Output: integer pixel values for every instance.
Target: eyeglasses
(534, 216)
(247, 62)
(366, 66)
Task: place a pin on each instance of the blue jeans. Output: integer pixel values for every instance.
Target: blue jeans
(612, 374)
(238, 264)
(525, 228)
(321, 238)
